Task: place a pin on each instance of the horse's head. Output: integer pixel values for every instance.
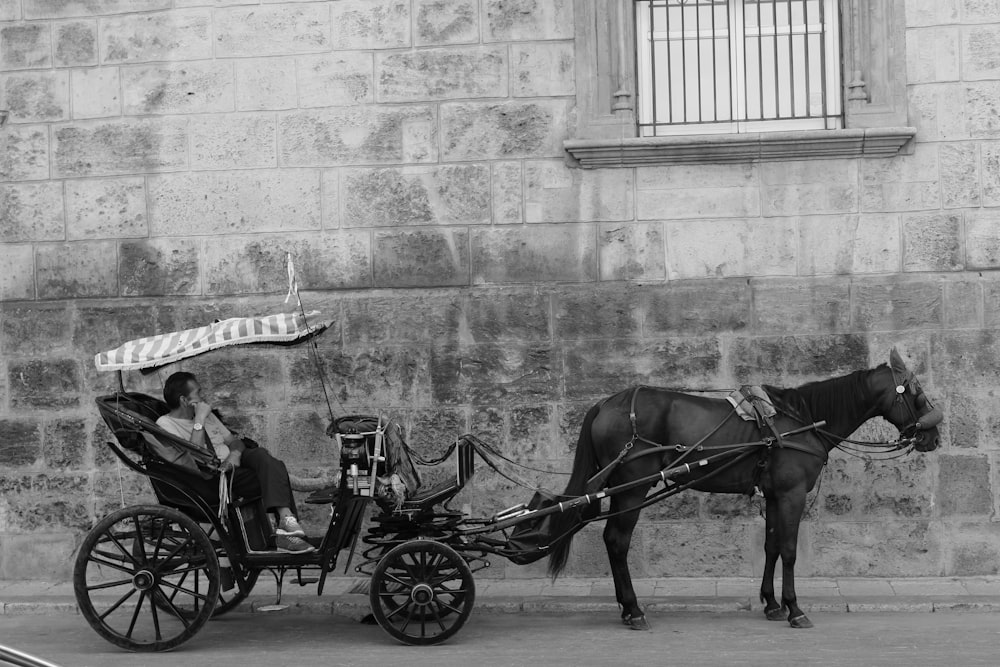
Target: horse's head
(901, 401)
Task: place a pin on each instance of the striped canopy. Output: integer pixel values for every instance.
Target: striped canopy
(163, 349)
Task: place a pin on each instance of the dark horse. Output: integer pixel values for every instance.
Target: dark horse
(649, 429)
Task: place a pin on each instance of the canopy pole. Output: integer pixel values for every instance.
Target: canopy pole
(121, 382)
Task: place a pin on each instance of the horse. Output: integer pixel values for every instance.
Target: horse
(644, 430)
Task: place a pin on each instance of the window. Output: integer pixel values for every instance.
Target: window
(829, 74)
(706, 66)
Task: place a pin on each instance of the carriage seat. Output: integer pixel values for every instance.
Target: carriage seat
(465, 467)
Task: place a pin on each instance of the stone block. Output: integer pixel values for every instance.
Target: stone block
(189, 88)
(353, 135)
(110, 208)
(932, 242)
(457, 72)
(982, 239)
(963, 304)
(330, 201)
(982, 106)
(520, 20)
(65, 443)
(896, 305)
(815, 186)
(386, 376)
(303, 443)
(723, 249)
(980, 53)
(53, 384)
(505, 314)
(920, 13)
(934, 54)
(158, 267)
(966, 358)
(973, 551)
(965, 419)
(34, 97)
(26, 153)
(532, 434)
(794, 360)
(265, 84)
(75, 43)
(967, 480)
(400, 196)
(542, 69)
(980, 11)
(233, 202)
(694, 549)
(938, 111)
(20, 442)
(696, 308)
(43, 556)
(556, 193)
(96, 92)
(800, 306)
(494, 374)
(36, 329)
(17, 272)
(866, 243)
(113, 147)
(98, 328)
(421, 258)
(596, 368)
(508, 193)
(55, 9)
(257, 264)
(439, 22)
(632, 251)
(990, 161)
(334, 80)
(403, 319)
(432, 430)
(370, 24)
(10, 11)
(868, 548)
(960, 175)
(52, 501)
(698, 191)
(25, 46)
(272, 30)
(601, 311)
(503, 130)
(233, 142)
(553, 253)
(176, 35)
(866, 490)
(241, 381)
(902, 183)
(76, 270)
(32, 212)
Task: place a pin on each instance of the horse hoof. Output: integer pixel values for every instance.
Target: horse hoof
(776, 614)
(636, 622)
(800, 622)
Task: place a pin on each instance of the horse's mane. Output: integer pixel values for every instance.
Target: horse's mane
(838, 395)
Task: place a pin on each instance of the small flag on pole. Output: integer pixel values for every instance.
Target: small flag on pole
(293, 285)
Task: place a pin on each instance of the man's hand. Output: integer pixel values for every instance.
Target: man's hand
(202, 409)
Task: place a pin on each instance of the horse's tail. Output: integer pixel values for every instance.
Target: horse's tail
(584, 465)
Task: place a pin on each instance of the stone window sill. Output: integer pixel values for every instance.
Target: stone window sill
(732, 148)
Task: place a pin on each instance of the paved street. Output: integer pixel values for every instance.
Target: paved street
(246, 640)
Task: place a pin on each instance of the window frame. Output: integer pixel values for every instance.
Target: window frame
(874, 79)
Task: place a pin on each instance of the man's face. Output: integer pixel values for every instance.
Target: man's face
(194, 394)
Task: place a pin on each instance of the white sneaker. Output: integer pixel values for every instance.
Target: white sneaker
(290, 526)
(290, 544)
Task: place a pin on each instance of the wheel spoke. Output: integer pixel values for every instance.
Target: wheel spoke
(117, 604)
(193, 593)
(109, 584)
(128, 556)
(398, 609)
(138, 539)
(437, 616)
(113, 566)
(176, 551)
(159, 539)
(447, 606)
(174, 610)
(135, 614)
(408, 586)
(156, 619)
(409, 617)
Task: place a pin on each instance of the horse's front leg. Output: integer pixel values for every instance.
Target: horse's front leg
(790, 508)
(773, 610)
(617, 538)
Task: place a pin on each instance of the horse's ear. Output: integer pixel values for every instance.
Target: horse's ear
(896, 362)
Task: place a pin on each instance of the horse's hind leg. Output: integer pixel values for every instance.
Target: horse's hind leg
(617, 538)
(773, 610)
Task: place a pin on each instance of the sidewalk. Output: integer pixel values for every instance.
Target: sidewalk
(348, 596)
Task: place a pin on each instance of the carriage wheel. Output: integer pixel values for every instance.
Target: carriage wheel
(146, 578)
(422, 592)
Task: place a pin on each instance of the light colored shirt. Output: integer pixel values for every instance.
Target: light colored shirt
(216, 431)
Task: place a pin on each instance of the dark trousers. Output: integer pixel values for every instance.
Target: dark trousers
(259, 474)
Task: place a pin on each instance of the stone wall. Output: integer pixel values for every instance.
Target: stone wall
(164, 155)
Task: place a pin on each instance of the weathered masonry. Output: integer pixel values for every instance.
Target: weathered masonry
(505, 230)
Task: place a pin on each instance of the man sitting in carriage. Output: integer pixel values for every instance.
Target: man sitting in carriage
(254, 471)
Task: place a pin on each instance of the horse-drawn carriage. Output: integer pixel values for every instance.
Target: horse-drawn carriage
(148, 577)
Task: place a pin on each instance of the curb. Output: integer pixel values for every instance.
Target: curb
(357, 606)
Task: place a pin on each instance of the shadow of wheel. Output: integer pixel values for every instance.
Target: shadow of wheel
(146, 578)
(422, 592)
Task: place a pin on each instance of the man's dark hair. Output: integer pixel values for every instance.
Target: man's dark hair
(177, 385)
